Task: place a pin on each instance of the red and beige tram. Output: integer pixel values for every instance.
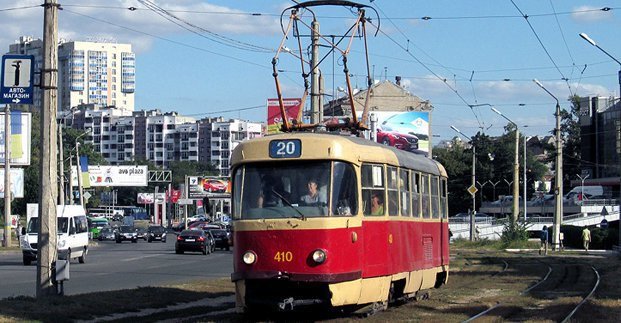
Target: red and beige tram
(374, 230)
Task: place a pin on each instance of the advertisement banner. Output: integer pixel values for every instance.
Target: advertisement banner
(200, 187)
(20, 138)
(145, 198)
(274, 118)
(408, 131)
(17, 182)
(106, 176)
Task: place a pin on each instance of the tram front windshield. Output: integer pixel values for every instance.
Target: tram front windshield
(297, 189)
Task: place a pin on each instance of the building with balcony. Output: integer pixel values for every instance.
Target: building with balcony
(98, 73)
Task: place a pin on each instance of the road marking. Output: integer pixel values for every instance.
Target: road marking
(141, 257)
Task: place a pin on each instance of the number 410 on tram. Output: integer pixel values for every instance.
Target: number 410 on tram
(329, 220)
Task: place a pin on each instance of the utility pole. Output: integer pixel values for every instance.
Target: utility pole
(7, 176)
(77, 162)
(472, 188)
(47, 239)
(315, 95)
(558, 174)
(61, 177)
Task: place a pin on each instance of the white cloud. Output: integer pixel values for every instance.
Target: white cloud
(89, 19)
(590, 14)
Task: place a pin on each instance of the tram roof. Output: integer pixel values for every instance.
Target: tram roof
(336, 147)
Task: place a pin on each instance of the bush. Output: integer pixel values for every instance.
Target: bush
(600, 238)
(514, 232)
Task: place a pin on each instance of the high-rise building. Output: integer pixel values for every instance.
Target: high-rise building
(89, 73)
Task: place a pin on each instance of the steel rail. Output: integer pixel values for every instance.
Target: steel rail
(585, 299)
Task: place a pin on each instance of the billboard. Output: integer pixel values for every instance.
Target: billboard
(20, 138)
(274, 118)
(106, 176)
(149, 198)
(408, 131)
(200, 187)
(17, 182)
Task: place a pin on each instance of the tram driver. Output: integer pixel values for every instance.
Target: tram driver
(313, 196)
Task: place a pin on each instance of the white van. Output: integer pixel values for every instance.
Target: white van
(589, 191)
(72, 235)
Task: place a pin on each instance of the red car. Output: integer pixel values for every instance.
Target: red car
(403, 141)
(214, 185)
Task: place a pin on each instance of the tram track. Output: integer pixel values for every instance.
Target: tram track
(560, 286)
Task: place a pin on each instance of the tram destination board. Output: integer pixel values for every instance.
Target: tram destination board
(290, 148)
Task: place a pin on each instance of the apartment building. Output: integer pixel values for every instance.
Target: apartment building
(121, 136)
(93, 72)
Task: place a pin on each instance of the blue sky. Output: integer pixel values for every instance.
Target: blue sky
(468, 53)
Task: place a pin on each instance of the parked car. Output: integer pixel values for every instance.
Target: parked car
(194, 240)
(546, 199)
(156, 232)
(105, 234)
(404, 141)
(214, 185)
(221, 238)
(126, 233)
(141, 233)
(506, 200)
(465, 217)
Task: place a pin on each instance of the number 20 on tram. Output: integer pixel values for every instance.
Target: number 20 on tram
(329, 220)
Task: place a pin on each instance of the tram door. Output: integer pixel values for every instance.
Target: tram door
(375, 226)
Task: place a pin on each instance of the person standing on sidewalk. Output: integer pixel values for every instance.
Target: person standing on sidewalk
(586, 238)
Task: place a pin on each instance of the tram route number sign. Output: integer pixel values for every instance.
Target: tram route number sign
(290, 148)
(16, 85)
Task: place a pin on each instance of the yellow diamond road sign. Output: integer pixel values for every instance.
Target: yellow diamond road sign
(473, 190)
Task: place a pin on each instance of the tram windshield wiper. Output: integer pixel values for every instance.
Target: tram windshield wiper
(282, 198)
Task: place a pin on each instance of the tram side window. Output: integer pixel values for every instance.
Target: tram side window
(237, 185)
(404, 189)
(416, 194)
(426, 208)
(373, 191)
(393, 191)
(435, 198)
(344, 184)
(443, 205)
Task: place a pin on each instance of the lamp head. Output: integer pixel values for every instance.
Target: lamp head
(587, 38)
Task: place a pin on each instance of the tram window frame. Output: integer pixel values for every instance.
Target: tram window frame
(435, 196)
(443, 198)
(372, 179)
(405, 192)
(238, 179)
(416, 195)
(347, 206)
(425, 197)
(392, 186)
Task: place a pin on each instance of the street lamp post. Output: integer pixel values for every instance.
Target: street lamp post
(474, 180)
(516, 170)
(558, 191)
(494, 185)
(592, 42)
(582, 185)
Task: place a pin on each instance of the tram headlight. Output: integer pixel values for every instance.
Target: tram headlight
(319, 256)
(249, 257)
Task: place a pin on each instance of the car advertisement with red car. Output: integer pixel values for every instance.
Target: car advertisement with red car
(200, 187)
(408, 131)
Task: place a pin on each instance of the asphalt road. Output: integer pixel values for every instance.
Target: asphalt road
(112, 266)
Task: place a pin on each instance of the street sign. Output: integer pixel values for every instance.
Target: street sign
(472, 190)
(16, 86)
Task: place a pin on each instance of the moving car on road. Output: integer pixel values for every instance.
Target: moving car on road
(194, 240)
(156, 232)
(221, 237)
(126, 233)
(106, 234)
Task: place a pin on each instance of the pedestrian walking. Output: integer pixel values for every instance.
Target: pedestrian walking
(586, 238)
(544, 241)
